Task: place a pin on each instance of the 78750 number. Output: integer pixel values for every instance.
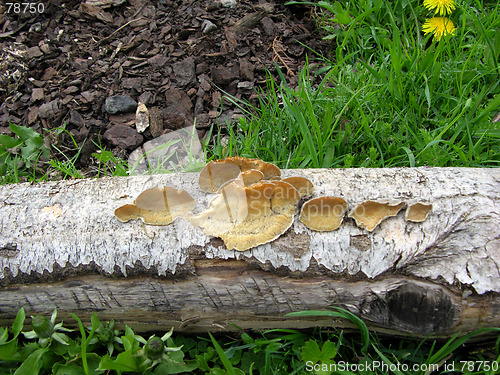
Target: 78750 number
(25, 8)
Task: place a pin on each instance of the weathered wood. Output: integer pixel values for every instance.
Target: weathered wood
(61, 246)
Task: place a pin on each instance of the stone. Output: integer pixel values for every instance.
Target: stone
(245, 85)
(184, 71)
(224, 75)
(203, 121)
(141, 118)
(172, 152)
(178, 102)
(88, 96)
(158, 60)
(75, 118)
(204, 82)
(33, 52)
(49, 110)
(145, 97)
(216, 99)
(155, 122)
(247, 70)
(70, 90)
(37, 94)
(198, 107)
(208, 26)
(201, 67)
(81, 64)
(32, 115)
(174, 121)
(228, 3)
(120, 104)
(123, 136)
(132, 83)
(123, 119)
(48, 74)
(268, 26)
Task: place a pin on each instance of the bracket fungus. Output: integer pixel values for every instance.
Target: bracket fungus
(157, 206)
(254, 206)
(369, 214)
(218, 172)
(302, 184)
(248, 216)
(417, 212)
(252, 176)
(323, 213)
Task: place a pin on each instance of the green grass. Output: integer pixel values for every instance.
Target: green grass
(25, 157)
(386, 97)
(101, 348)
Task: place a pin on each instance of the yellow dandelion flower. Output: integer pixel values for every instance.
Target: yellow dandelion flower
(439, 26)
(441, 6)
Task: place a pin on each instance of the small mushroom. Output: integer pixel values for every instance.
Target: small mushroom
(369, 214)
(248, 216)
(157, 206)
(227, 210)
(252, 176)
(216, 173)
(323, 213)
(417, 212)
(302, 184)
(285, 198)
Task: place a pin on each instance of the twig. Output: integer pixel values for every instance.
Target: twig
(277, 49)
(121, 27)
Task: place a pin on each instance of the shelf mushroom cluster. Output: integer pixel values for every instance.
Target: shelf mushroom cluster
(254, 205)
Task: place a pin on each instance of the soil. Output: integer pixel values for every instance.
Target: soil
(179, 58)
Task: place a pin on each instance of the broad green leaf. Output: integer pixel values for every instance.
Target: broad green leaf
(341, 14)
(23, 132)
(32, 364)
(9, 142)
(18, 324)
(4, 335)
(125, 361)
(172, 367)
(68, 369)
(8, 350)
(312, 352)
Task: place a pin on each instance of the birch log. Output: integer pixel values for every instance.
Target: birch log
(61, 246)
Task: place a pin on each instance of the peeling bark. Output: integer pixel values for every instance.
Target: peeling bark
(61, 246)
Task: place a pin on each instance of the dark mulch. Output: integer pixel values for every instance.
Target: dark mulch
(177, 57)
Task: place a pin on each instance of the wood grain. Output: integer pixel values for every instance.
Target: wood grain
(60, 245)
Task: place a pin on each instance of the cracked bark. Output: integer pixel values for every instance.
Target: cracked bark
(60, 246)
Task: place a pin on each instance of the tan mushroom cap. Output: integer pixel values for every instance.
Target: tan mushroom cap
(323, 213)
(285, 198)
(417, 212)
(157, 206)
(248, 216)
(216, 173)
(252, 176)
(227, 210)
(302, 184)
(369, 214)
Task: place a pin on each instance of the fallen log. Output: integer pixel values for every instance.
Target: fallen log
(61, 246)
